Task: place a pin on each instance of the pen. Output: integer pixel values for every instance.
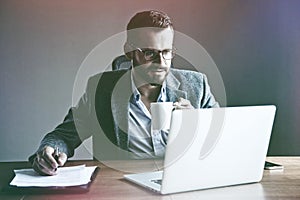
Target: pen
(56, 155)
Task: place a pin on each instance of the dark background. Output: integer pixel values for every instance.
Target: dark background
(254, 43)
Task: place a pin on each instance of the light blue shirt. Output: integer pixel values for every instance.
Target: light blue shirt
(143, 142)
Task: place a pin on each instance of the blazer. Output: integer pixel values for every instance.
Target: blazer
(102, 112)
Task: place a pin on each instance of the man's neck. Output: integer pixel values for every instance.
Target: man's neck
(150, 91)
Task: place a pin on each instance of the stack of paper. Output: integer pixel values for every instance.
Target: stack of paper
(66, 176)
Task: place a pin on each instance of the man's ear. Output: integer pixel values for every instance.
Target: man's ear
(128, 51)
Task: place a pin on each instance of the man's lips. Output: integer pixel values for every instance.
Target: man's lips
(157, 69)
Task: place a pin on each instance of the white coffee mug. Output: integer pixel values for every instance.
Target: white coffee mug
(161, 113)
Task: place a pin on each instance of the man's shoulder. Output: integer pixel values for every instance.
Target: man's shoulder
(115, 73)
(107, 78)
(107, 75)
(187, 74)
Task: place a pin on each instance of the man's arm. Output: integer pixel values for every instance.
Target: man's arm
(197, 89)
(76, 127)
(208, 99)
(65, 138)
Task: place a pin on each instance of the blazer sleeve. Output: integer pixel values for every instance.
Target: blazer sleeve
(75, 127)
(208, 99)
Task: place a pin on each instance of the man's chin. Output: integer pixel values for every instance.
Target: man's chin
(158, 80)
(153, 79)
(155, 84)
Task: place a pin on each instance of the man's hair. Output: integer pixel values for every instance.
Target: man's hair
(151, 18)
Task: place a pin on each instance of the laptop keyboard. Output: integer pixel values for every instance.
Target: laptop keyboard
(157, 181)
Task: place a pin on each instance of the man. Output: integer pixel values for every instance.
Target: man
(115, 108)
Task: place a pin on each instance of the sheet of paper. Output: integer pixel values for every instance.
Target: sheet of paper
(66, 176)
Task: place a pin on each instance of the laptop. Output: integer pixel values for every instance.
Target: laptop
(210, 148)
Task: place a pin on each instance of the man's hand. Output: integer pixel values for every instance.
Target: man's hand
(183, 104)
(45, 162)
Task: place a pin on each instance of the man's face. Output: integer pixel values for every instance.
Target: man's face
(153, 71)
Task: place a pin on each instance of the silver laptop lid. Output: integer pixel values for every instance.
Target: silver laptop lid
(216, 147)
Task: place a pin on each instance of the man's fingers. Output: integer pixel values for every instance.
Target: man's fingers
(49, 157)
(62, 159)
(36, 167)
(183, 104)
(46, 164)
(42, 167)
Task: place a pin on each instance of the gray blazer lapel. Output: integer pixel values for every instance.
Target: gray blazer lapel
(173, 93)
(120, 109)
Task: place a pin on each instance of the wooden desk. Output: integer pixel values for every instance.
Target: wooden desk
(109, 184)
